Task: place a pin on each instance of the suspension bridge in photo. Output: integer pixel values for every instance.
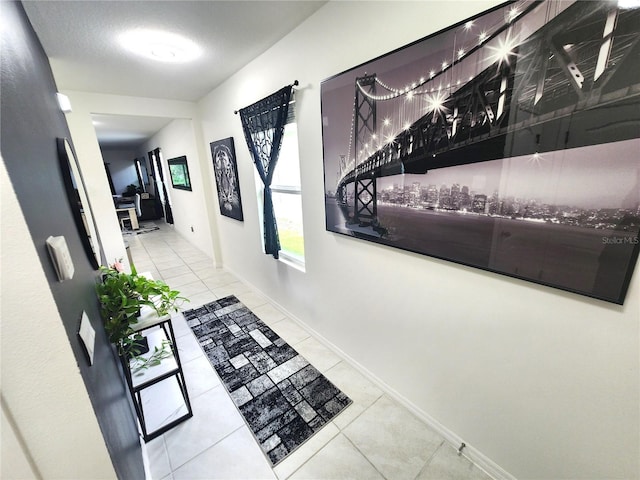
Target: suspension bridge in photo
(530, 84)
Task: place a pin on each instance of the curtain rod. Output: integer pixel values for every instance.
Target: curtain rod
(294, 84)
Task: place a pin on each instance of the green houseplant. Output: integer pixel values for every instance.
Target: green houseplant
(121, 297)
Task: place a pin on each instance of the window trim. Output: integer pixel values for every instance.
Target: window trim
(292, 261)
(287, 189)
(284, 255)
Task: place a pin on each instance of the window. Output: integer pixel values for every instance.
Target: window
(287, 197)
(179, 172)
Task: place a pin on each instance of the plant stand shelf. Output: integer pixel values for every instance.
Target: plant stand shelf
(159, 392)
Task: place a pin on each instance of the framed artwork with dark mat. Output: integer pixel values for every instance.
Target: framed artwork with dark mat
(225, 168)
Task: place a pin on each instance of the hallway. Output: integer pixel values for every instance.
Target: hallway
(374, 438)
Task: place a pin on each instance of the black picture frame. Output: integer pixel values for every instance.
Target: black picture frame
(179, 173)
(78, 202)
(225, 167)
(506, 142)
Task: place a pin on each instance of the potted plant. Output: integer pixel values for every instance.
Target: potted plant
(121, 297)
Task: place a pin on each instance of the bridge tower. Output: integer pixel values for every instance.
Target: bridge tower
(341, 192)
(365, 206)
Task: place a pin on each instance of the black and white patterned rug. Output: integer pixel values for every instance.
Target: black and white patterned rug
(283, 398)
(145, 227)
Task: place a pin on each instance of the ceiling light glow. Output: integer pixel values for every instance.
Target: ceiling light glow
(628, 4)
(160, 46)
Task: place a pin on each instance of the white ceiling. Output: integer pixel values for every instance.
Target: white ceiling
(79, 37)
(124, 131)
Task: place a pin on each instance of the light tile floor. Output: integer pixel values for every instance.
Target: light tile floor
(374, 438)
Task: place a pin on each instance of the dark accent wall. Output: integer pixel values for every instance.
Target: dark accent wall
(30, 123)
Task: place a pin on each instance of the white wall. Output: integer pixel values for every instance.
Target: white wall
(121, 167)
(49, 426)
(542, 382)
(190, 208)
(15, 461)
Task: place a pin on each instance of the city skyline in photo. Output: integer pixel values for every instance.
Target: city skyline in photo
(581, 177)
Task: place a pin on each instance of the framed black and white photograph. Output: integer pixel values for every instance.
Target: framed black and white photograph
(179, 170)
(507, 142)
(225, 169)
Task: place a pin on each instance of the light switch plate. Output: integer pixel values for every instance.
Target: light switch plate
(87, 335)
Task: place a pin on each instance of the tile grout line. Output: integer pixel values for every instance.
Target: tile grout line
(173, 470)
(310, 457)
(360, 451)
(429, 460)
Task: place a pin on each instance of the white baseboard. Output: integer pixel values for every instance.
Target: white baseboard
(470, 452)
(145, 455)
(473, 454)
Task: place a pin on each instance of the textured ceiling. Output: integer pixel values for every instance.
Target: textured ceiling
(80, 39)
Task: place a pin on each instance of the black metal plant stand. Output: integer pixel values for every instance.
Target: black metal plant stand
(156, 330)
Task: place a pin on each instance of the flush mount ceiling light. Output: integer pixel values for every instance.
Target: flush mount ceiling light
(161, 46)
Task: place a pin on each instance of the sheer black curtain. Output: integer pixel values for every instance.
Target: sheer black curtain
(263, 124)
(154, 158)
(110, 179)
(138, 166)
(154, 183)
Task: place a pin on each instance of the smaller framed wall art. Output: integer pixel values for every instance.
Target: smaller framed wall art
(179, 170)
(225, 169)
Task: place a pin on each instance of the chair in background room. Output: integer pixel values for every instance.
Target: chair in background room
(123, 215)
